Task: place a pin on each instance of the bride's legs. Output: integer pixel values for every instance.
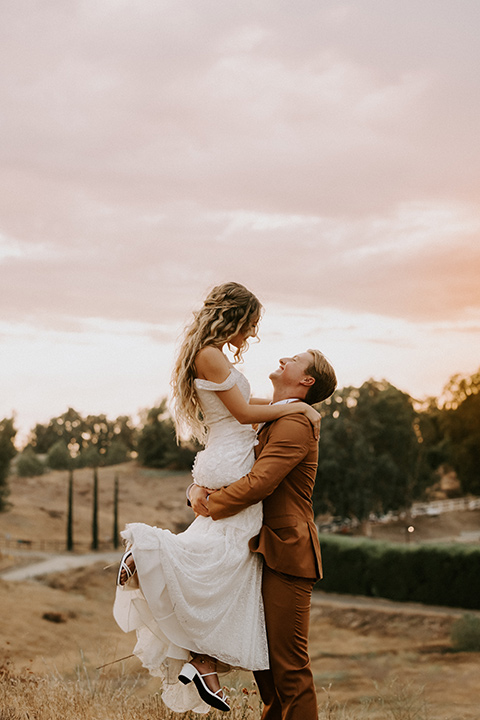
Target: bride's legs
(206, 664)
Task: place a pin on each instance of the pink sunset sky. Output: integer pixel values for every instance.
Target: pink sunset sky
(324, 153)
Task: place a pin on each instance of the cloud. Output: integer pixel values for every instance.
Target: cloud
(324, 154)
(315, 111)
(421, 262)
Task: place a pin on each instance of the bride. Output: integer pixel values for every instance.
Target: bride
(194, 598)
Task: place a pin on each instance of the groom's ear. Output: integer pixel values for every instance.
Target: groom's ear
(307, 381)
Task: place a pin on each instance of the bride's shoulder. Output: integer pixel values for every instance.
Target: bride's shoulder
(211, 364)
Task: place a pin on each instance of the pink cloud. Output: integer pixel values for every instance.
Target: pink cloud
(134, 137)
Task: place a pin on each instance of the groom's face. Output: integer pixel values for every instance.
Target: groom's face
(292, 370)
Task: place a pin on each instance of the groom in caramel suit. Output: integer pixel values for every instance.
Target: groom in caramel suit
(283, 477)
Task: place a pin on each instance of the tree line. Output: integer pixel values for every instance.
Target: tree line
(379, 448)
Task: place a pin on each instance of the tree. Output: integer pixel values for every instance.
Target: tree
(7, 453)
(89, 457)
(115, 513)
(68, 427)
(81, 434)
(460, 421)
(157, 445)
(95, 510)
(59, 457)
(369, 454)
(432, 435)
(117, 452)
(70, 512)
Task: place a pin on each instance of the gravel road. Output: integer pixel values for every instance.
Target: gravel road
(59, 563)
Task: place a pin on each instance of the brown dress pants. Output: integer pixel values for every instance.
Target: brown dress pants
(287, 688)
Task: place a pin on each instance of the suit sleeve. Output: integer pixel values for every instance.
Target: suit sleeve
(286, 446)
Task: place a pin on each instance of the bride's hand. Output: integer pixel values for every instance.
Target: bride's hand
(315, 418)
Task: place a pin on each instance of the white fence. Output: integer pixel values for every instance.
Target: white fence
(437, 507)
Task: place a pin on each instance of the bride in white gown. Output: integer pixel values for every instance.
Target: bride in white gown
(195, 598)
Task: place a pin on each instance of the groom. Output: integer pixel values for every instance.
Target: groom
(283, 477)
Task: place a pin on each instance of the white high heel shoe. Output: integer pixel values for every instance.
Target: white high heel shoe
(189, 672)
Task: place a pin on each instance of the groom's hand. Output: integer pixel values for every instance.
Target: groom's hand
(198, 497)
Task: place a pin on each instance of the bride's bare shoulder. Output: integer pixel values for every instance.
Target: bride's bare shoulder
(211, 364)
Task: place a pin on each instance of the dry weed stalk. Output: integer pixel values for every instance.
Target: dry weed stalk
(26, 696)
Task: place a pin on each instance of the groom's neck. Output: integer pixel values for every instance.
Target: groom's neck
(280, 394)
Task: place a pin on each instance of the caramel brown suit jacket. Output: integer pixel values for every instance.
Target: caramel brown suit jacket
(282, 477)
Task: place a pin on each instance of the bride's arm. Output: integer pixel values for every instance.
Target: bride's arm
(259, 401)
(212, 365)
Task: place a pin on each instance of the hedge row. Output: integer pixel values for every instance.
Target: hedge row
(431, 574)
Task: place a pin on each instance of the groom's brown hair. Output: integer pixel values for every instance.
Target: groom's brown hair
(325, 379)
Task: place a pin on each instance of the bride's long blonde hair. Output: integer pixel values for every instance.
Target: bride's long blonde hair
(227, 310)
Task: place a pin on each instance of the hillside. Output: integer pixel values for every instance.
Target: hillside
(371, 654)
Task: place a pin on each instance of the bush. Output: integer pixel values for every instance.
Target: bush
(465, 633)
(89, 457)
(432, 574)
(29, 464)
(117, 452)
(58, 457)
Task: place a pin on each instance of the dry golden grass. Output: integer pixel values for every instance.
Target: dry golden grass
(24, 696)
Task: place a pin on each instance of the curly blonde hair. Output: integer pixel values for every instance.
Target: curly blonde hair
(227, 310)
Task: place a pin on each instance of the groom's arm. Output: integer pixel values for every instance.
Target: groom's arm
(288, 443)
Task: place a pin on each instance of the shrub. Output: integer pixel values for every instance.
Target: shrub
(431, 574)
(29, 464)
(89, 457)
(465, 633)
(58, 457)
(117, 452)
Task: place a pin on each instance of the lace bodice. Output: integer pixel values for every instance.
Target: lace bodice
(228, 453)
(213, 408)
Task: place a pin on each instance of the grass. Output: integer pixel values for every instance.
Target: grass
(27, 696)
(465, 633)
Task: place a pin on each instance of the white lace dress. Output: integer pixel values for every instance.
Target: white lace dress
(200, 590)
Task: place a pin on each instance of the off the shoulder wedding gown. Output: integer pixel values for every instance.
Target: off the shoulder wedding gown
(200, 590)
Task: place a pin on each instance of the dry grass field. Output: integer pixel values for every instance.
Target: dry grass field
(371, 659)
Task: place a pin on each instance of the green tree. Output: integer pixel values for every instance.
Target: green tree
(70, 512)
(7, 453)
(58, 457)
(460, 421)
(369, 454)
(68, 427)
(95, 510)
(89, 457)
(80, 434)
(115, 535)
(117, 452)
(431, 431)
(157, 445)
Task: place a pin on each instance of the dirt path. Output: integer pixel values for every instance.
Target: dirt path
(58, 563)
(67, 561)
(381, 604)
